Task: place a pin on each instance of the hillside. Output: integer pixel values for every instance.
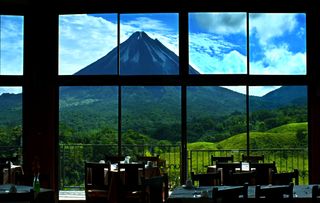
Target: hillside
(281, 137)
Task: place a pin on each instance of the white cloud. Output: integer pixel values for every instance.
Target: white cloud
(12, 90)
(222, 23)
(268, 26)
(280, 61)
(211, 54)
(83, 40)
(11, 45)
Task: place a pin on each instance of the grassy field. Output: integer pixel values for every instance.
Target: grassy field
(286, 145)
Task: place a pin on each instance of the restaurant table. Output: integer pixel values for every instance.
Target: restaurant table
(44, 196)
(203, 194)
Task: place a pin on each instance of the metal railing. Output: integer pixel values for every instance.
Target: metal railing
(285, 159)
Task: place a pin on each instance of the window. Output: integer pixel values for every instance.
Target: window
(217, 43)
(11, 45)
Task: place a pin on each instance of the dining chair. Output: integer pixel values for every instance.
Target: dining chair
(5, 173)
(274, 193)
(242, 177)
(215, 159)
(206, 179)
(264, 172)
(132, 188)
(230, 194)
(253, 158)
(157, 189)
(96, 181)
(285, 178)
(17, 197)
(315, 193)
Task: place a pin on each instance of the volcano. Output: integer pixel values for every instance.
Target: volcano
(139, 55)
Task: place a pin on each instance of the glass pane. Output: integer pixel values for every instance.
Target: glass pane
(149, 44)
(87, 44)
(277, 47)
(216, 123)
(11, 121)
(279, 127)
(151, 125)
(11, 45)
(217, 43)
(88, 129)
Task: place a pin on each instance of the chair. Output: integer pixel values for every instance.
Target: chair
(132, 189)
(206, 179)
(144, 159)
(225, 159)
(22, 197)
(230, 194)
(113, 159)
(253, 159)
(157, 189)
(5, 173)
(227, 169)
(315, 193)
(96, 183)
(263, 172)
(283, 193)
(242, 177)
(285, 178)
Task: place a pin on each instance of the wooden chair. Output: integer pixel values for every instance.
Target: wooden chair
(253, 159)
(206, 179)
(96, 183)
(5, 173)
(157, 189)
(144, 159)
(283, 193)
(263, 172)
(242, 177)
(227, 169)
(285, 178)
(229, 195)
(315, 193)
(17, 197)
(113, 159)
(224, 159)
(132, 189)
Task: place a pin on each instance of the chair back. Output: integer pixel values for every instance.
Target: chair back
(242, 177)
(17, 197)
(5, 173)
(134, 175)
(224, 159)
(253, 158)
(274, 192)
(263, 172)
(206, 179)
(157, 188)
(285, 178)
(230, 194)
(95, 175)
(315, 193)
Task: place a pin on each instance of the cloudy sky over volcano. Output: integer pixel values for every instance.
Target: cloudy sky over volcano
(217, 41)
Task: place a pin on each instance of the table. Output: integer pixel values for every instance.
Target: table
(301, 193)
(45, 195)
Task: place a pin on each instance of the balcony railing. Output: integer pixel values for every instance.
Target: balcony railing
(72, 158)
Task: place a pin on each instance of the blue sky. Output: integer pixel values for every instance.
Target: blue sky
(217, 41)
